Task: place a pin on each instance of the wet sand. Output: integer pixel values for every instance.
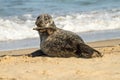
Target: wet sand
(49, 68)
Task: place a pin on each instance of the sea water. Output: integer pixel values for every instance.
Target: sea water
(93, 20)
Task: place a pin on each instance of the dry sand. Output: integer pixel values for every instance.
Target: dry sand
(47, 68)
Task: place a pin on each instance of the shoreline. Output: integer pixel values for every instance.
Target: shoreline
(105, 43)
(86, 36)
(95, 44)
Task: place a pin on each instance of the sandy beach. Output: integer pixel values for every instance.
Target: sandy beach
(48, 68)
(97, 22)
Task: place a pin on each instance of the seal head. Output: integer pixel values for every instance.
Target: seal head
(44, 21)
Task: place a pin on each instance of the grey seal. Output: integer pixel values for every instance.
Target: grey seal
(56, 42)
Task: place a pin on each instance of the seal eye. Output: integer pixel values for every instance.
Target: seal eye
(38, 17)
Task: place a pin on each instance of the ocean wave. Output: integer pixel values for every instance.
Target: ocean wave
(16, 28)
(92, 21)
(20, 27)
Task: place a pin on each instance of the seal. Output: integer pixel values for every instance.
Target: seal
(56, 42)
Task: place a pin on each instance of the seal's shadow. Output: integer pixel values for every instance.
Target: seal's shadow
(37, 53)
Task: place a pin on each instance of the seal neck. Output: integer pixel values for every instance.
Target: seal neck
(46, 33)
(43, 36)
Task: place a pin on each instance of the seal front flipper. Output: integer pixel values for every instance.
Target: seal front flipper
(86, 51)
(37, 53)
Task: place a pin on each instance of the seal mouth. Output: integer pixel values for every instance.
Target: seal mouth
(43, 28)
(38, 28)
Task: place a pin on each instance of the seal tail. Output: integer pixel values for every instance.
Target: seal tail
(87, 51)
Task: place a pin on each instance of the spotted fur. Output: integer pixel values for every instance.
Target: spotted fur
(57, 42)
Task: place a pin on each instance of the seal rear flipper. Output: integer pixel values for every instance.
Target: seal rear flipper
(87, 51)
(37, 53)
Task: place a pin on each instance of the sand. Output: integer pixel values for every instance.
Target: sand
(49, 68)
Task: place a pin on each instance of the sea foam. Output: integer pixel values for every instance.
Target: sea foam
(15, 28)
(20, 27)
(95, 20)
